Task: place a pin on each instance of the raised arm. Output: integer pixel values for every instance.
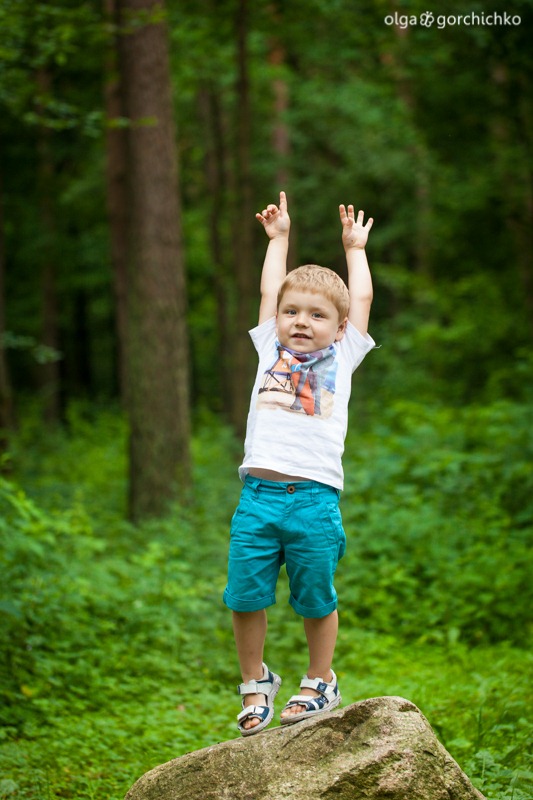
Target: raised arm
(277, 223)
(354, 239)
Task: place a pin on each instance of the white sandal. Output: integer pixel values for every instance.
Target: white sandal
(329, 698)
(268, 685)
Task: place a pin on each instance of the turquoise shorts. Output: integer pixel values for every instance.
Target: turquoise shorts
(297, 524)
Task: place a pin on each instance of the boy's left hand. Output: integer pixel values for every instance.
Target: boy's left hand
(354, 233)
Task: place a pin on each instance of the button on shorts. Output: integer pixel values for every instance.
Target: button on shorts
(297, 524)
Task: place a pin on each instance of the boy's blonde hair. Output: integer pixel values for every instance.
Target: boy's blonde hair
(312, 278)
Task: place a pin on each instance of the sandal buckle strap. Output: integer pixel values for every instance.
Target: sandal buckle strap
(316, 684)
(261, 712)
(256, 687)
(319, 685)
(261, 686)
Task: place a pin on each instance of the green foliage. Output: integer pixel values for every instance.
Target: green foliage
(437, 345)
(40, 352)
(52, 37)
(375, 115)
(117, 652)
(440, 508)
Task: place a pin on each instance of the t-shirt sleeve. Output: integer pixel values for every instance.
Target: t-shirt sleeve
(263, 336)
(355, 346)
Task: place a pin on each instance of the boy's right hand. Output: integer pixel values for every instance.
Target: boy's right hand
(275, 219)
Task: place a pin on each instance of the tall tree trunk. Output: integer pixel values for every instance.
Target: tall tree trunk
(510, 127)
(158, 369)
(420, 158)
(280, 131)
(215, 171)
(281, 144)
(117, 198)
(6, 397)
(243, 230)
(49, 374)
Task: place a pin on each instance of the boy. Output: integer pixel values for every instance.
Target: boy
(311, 336)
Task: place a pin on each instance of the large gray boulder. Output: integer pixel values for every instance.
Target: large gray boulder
(383, 748)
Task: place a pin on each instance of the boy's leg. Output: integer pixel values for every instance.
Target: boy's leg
(249, 629)
(321, 636)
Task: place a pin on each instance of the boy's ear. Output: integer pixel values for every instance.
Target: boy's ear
(341, 330)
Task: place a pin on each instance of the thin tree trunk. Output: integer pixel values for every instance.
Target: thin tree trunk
(158, 369)
(117, 199)
(510, 133)
(6, 396)
(420, 159)
(280, 131)
(215, 171)
(49, 374)
(243, 231)
(281, 144)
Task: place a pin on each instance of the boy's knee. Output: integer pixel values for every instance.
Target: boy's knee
(317, 611)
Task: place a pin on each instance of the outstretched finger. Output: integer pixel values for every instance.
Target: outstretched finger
(283, 202)
(360, 218)
(343, 214)
(347, 216)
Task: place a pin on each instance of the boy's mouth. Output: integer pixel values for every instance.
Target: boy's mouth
(300, 336)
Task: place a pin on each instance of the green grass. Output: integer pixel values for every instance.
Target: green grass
(117, 652)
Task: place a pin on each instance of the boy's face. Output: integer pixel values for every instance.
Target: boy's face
(308, 321)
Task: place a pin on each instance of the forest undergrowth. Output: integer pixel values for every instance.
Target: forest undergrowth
(117, 651)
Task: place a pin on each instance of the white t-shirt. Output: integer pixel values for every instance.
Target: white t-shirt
(295, 433)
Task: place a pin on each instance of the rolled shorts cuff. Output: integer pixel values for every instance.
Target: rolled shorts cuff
(235, 604)
(313, 613)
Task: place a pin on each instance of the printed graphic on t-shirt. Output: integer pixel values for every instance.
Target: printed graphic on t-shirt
(300, 382)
